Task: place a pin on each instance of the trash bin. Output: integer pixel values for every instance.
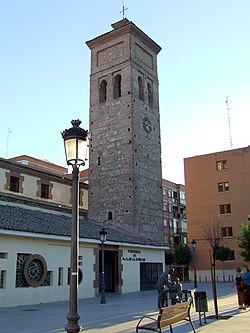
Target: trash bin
(200, 298)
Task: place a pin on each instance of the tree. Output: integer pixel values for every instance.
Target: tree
(169, 258)
(222, 253)
(244, 241)
(212, 234)
(182, 254)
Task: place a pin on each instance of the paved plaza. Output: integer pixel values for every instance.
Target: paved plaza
(121, 313)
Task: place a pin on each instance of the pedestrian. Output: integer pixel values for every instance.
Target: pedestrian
(178, 287)
(238, 282)
(164, 282)
(246, 283)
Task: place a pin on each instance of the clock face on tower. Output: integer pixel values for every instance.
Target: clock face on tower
(147, 125)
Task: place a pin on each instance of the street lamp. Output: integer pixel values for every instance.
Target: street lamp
(194, 259)
(103, 237)
(75, 144)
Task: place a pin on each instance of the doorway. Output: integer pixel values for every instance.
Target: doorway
(110, 270)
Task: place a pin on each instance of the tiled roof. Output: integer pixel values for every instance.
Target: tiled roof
(17, 214)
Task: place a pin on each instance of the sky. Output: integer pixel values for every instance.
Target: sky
(45, 68)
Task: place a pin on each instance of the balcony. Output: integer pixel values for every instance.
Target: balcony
(182, 227)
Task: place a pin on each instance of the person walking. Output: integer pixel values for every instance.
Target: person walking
(238, 282)
(246, 283)
(164, 281)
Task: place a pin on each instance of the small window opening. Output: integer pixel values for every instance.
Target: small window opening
(141, 91)
(150, 95)
(3, 274)
(103, 91)
(14, 184)
(110, 215)
(117, 86)
(45, 191)
(60, 276)
(221, 165)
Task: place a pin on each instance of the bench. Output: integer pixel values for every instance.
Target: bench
(167, 317)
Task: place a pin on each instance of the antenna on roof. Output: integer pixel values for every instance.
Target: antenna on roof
(123, 9)
(229, 124)
(7, 142)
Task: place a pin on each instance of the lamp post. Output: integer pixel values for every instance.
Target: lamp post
(194, 259)
(103, 237)
(75, 144)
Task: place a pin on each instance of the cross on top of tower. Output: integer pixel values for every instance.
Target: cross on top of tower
(123, 9)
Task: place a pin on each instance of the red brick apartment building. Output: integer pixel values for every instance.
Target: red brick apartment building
(217, 191)
(174, 207)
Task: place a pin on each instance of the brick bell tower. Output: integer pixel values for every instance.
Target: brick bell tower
(125, 176)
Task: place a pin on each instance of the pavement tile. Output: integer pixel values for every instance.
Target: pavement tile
(122, 312)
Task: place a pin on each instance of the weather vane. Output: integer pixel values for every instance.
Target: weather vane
(123, 9)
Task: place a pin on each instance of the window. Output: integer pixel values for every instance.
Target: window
(164, 192)
(165, 223)
(3, 255)
(175, 225)
(14, 184)
(175, 197)
(49, 279)
(68, 278)
(149, 273)
(227, 231)
(182, 214)
(184, 239)
(60, 276)
(110, 216)
(141, 90)
(221, 165)
(231, 256)
(170, 208)
(182, 197)
(103, 91)
(45, 191)
(169, 193)
(225, 209)
(2, 279)
(175, 212)
(117, 86)
(150, 95)
(80, 260)
(223, 187)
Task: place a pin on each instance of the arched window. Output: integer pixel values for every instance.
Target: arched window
(150, 95)
(117, 86)
(141, 90)
(103, 91)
